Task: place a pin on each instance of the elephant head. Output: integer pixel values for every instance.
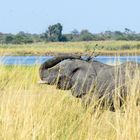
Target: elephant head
(49, 70)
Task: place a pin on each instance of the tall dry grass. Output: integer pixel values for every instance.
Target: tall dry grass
(104, 47)
(40, 112)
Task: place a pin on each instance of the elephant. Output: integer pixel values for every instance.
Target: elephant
(87, 77)
(71, 72)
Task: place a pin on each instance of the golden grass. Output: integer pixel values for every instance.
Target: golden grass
(40, 112)
(110, 47)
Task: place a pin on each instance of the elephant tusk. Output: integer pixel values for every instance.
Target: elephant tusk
(42, 82)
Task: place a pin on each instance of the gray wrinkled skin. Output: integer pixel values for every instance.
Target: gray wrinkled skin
(83, 77)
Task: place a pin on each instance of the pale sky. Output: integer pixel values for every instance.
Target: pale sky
(35, 16)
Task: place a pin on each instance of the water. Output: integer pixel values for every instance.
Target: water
(31, 60)
(23, 60)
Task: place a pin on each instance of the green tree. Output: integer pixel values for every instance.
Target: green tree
(85, 35)
(9, 39)
(75, 32)
(19, 39)
(54, 33)
(23, 38)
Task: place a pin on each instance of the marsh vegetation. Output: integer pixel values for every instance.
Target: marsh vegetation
(53, 48)
(32, 111)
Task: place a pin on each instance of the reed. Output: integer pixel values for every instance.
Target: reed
(41, 112)
(103, 47)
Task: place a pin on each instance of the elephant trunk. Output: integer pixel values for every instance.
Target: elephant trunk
(52, 62)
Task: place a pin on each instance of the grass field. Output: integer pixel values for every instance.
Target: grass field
(104, 48)
(40, 112)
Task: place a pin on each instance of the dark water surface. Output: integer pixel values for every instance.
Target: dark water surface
(32, 60)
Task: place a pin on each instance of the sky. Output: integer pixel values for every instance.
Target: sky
(34, 16)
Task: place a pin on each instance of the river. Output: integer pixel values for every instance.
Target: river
(32, 60)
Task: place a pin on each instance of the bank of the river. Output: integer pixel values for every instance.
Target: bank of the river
(78, 48)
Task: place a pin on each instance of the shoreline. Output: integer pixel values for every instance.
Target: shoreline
(111, 53)
(108, 48)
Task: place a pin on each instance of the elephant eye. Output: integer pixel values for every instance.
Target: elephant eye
(92, 75)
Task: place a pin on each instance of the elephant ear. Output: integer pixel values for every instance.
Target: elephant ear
(83, 81)
(64, 80)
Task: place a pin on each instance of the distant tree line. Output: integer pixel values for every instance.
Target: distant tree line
(54, 34)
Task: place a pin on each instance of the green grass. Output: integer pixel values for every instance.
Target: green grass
(104, 47)
(41, 112)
